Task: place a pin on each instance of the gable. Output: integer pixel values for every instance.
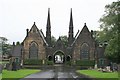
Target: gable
(85, 31)
(34, 29)
(35, 34)
(84, 36)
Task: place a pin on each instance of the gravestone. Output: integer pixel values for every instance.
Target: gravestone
(115, 67)
(0, 68)
(14, 66)
(119, 71)
(108, 68)
(95, 67)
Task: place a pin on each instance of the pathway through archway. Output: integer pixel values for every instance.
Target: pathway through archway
(59, 57)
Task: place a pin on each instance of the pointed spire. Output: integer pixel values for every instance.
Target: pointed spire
(48, 29)
(48, 19)
(70, 33)
(71, 19)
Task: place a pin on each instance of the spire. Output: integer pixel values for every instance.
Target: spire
(48, 29)
(70, 33)
(48, 19)
(71, 19)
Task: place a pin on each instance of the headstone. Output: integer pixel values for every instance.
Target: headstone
(0, 68)
(108, 68)
(115, 67)
(119, 71)
(43, 62)
(14, 66)
(111, 66)
(95, 67)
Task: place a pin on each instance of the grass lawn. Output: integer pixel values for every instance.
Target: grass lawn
(0, 62)
(18, 74)
(0, 76)
(3, 62)
(98, 74)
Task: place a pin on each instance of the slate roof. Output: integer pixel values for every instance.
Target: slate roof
(43, 37)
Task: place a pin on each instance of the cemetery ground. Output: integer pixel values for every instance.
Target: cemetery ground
(96, 75)
(93, 73)
(99, 74)
(16, 75)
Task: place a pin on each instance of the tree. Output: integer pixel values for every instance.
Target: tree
(110, 22)
(64, 39)
(3, 39)
(53, 40)
(5, 46)
(17, 43)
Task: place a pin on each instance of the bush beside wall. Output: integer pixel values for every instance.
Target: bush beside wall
(32, 62)
(85, 62)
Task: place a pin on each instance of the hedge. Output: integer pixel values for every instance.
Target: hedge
(49, 62)
(32, 62)
(68, 62)
(85, 62)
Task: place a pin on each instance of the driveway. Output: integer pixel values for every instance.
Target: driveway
(58, 72)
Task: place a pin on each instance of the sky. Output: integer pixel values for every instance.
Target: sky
(18, 15)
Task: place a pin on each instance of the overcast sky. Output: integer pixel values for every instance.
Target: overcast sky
(18, 15)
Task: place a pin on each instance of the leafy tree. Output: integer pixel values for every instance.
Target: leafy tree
(64, 39)
(5, 46)
(18, 43)
(110, 29)
(53, 40)
(3, 39)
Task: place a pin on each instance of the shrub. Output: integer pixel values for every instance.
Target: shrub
(85, 62)
(68, 62)
(32, 62)
(49, 62)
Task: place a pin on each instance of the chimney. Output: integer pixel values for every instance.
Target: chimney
(92, 33)
(13, 43)
(27, 30)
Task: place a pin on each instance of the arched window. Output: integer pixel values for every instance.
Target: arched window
(84, 52)
(33, 51)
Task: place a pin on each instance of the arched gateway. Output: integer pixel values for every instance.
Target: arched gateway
(59, 57)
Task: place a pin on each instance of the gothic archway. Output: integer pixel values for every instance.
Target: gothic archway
(49, 58)
(59, 57)
(68, 58)
(84, 51)
(33, 51)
